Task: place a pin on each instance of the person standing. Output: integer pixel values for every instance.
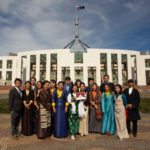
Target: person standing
(83, 124)
(108, 118)
(52, 86)
(60, 108)
(89, 88)
(67, 86)
(120, 115)
(35, 111)
(78, 84)
(73, 114)
(52, 89)
(15, 107)
(37, 104)
(27, 120)
(33, 83)
(44, 123)
(95, 110)
(106, 81)
(133, 102)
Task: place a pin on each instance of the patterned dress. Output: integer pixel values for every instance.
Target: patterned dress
(44, 123)
(73, 118)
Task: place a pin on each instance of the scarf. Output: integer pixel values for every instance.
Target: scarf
(97, 100)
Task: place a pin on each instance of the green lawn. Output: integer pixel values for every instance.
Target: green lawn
(4, 107)
(144, 106)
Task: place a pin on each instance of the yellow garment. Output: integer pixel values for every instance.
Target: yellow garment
(107, 94)
(59, 93)
(52, 91)
(53, 104)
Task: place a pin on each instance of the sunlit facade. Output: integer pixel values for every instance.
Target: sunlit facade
(57, 64)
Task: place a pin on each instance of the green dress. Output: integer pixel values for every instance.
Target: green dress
(73, 118)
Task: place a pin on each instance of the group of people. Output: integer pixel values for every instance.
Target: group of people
(67, 108)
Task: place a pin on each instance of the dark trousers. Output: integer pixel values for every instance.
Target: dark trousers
(15, 120)
(134, 126)
(35, 117)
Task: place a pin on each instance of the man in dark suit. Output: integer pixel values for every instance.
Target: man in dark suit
(106, 81)
(35, 112)
(15, 107)
(89, 88)
(133, 101)
(67, 86)
(33, 84)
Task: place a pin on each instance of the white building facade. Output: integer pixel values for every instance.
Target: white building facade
(57, 64)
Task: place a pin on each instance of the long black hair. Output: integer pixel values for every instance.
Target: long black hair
(73, 87)
(120, 87)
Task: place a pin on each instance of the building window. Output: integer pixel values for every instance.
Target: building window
(134, 68)
(78, 57)
(1, 64)
(114, 66)
(147, 63)
(9, 75)
(79, 73)
(23, 68)
(65, 72)
(147, 77)
(9, 64)
(92, 73)
(42, 67)
(124, 67)
(33, 66)
(0, 74)
(53, 73)
(103, 65)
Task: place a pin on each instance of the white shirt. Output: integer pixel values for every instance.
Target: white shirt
(130, 90)
(33, 87)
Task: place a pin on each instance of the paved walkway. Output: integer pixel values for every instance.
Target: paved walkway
(91, 142)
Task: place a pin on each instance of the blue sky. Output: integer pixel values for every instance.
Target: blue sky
(46, 24)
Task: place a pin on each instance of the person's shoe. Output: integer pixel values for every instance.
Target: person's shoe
(20, 136)
(15, 137)
(72, 137)
(134, 134)
(121, 139)
(82, 134)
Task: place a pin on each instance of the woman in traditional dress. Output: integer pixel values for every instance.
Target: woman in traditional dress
(52, 86)
(108, 118)
(52, 89)
(83, 125)
(95, 110)
(78, 84)
(37, 103)
(27, 120)
(44, 125)
(73, 116)
(120, 116)
(60, 108)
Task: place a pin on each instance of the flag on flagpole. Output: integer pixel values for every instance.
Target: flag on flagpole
(78, 7)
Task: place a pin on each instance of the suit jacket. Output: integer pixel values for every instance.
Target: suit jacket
(134, 99)
(15, 101)
(102, 87)
(88, 89)
(34, 88)
(67, 91)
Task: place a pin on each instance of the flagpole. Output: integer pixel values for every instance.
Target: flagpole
(76, 23)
